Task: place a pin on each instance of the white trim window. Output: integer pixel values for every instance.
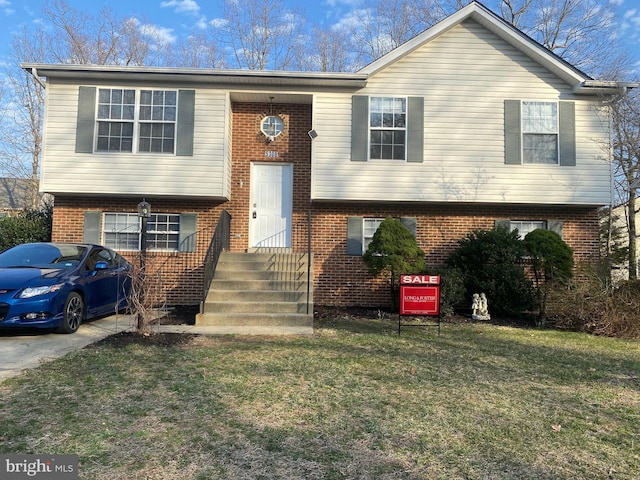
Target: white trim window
(123, 231)
(526, 226)
(540, 132)
(163, 231)
(388, 128)
(369, 227)
(131, 120)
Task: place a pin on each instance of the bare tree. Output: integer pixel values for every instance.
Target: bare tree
(261, 34)
(387, 24)
(328, 51)
(100, 39)
(624, 112)
(195, 51)
(582, 32)
(21, 129)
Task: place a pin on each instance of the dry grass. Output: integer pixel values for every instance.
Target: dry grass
(354, 401)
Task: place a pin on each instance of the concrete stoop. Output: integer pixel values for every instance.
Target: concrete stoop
(259, 293)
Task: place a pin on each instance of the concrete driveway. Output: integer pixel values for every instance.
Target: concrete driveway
(24, 349)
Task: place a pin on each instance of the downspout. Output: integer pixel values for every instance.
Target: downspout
(34, 73)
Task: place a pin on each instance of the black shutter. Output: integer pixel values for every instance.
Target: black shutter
(186, 114)
(567, 140)
(354, 235)
(187, 241)
(86, 120)
(512, 133)
(415, 129)
(359, 128)
(91, 227)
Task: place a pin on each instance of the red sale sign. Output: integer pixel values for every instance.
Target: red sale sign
(419, 300)
(419, 295)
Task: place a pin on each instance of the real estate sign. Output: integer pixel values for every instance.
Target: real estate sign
(420, 295)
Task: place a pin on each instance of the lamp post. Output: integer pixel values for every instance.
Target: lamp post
(144, 212)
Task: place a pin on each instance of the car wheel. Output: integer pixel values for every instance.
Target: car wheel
(73, 313)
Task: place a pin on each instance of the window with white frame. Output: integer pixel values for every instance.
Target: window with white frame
(123, 231)
(163, 231)
(540, 132)
(526, 226)
(387, 128)
(369, 227)
(136, 120)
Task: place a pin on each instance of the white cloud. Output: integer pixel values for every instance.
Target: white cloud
(218, 23)
(338, 3)
(159, 34)
(182, 6)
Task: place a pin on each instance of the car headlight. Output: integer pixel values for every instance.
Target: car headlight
(35, 291)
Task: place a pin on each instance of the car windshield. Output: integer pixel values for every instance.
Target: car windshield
(42, 255)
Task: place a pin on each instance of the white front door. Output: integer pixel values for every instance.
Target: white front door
(271, 205)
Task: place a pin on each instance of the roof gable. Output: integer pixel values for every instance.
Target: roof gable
(578, 80)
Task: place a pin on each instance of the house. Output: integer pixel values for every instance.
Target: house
(467, 125)
(619, 241)
(15, 196)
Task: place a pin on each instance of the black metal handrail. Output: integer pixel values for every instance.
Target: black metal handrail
(220, 242)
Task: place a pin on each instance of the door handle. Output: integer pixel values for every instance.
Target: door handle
(254, 214)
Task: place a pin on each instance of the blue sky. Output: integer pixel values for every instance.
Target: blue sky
(173, 18)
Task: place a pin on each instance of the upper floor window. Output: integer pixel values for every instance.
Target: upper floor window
(540, 132)
(136, 120)
(388, 125)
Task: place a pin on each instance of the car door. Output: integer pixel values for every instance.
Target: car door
(103, 287)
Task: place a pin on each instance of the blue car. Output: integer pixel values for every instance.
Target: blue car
(59, 285)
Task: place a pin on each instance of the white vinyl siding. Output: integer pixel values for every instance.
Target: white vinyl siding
(204, 174)
(464, 76)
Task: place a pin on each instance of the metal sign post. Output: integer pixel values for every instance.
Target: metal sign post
(419, 297)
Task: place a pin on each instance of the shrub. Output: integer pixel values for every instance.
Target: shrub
(490, 262)
(393, 249)
(27, 226)
(551, 261)
(452, 290)
(592, 306)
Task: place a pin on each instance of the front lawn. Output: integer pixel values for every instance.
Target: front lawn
(353, 401)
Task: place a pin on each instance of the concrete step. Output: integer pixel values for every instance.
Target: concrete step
(256, 307)
(237, 274)
(220, 295)
(254, 319)
(259, 285)
(253, 291)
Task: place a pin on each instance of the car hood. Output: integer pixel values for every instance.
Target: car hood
(14, 278)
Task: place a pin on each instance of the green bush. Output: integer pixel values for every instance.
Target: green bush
(490, 262)
(551, 261)
(27, 226)
(452, 290)
(393, 249)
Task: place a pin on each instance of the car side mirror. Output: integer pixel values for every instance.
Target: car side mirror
(101, 266)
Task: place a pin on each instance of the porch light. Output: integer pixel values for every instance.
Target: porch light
(144, 209)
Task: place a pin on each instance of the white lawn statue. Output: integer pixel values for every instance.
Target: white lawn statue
(480, 307)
